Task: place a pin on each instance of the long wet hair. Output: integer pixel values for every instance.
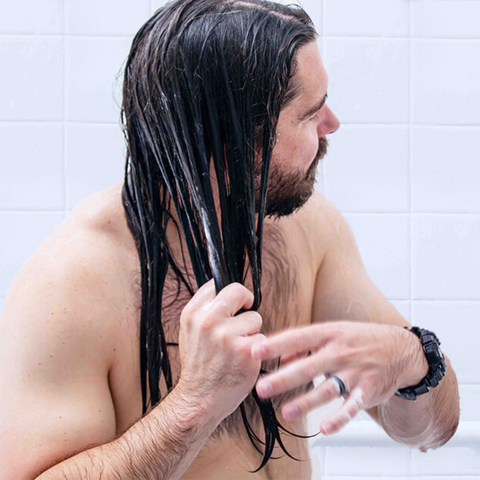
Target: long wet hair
(205, 80)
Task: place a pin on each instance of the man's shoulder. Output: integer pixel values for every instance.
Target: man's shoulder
(75, 275)
(315, 221)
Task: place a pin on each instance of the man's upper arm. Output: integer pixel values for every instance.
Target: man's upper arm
(343, 289)
(54, 336)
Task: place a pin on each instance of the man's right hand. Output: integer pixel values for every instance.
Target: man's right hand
(215, 347)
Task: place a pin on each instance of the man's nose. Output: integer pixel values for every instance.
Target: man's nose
(329, 123)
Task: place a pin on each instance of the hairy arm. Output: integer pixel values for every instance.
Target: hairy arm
(344, 291)
(160, 446)
(57, 417)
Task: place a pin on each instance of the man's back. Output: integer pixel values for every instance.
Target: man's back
(69, 348)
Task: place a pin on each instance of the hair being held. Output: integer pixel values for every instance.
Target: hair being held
(204, 85)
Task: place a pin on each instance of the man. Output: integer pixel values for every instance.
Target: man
(70, 387)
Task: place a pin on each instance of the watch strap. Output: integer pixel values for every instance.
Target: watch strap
(436, 362)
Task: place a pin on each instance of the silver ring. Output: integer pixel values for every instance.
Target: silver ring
(340, 382)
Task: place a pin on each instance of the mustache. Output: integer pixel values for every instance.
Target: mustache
(322, 148)
(321, 152)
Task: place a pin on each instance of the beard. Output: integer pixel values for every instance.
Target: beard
(289, 191)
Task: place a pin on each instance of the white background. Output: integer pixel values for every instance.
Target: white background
(403, 167)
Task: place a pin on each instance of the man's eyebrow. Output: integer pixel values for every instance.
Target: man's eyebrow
(314, 109)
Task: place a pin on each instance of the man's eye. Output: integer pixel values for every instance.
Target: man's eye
(315, 117)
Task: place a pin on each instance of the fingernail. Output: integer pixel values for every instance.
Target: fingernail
(327, 428)
(266, 388)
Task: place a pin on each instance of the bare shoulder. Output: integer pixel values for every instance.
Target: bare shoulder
(314, 224)
(57, 344)
(75, 274)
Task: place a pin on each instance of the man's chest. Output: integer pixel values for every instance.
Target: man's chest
(288, 279)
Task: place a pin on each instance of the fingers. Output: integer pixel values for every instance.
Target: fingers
(206, 293)
(227, 303)
(326, 392)
(294, 356)
(297, 373)
(347, 411)
(234, 297)
(245, 324)
(251, 340)
(311, 337)
(254, 339)
(321, 395)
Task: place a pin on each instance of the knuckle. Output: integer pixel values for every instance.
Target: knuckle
(186, 312)
(220, 336)
(236, 287)
(206, 324)
(331, 389)
(219, 303)
(242, 290)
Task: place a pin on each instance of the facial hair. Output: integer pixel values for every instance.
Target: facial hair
(289, 191)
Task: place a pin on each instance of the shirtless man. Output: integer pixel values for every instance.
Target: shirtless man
(69, 341)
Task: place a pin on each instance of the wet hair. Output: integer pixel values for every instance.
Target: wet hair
(205, 80)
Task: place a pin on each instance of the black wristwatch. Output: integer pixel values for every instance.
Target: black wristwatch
(436, 363)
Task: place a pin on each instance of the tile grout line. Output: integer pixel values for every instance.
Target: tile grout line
(64, 108)
(410, 173)
(335, 37)
(344, 124)
(410, 185)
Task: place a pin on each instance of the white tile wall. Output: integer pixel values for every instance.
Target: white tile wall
(383, 241)
(31, 167)
(33, 17)
(446, 257)
(455, 323)
(366, 18)
(445, 82)
(31, 84)
(445, 18)
(470, 395)
(368, 79)
(403, 168)
(445, 169)
(95, 159)
(368, 168)
(106, 18)
(93, 81)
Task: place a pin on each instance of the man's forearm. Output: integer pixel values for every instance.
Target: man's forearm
(431, 420)
(160, 446)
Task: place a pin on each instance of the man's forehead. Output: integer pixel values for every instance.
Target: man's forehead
(311, 74)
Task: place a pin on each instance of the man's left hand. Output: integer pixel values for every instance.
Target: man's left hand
(374, 360)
